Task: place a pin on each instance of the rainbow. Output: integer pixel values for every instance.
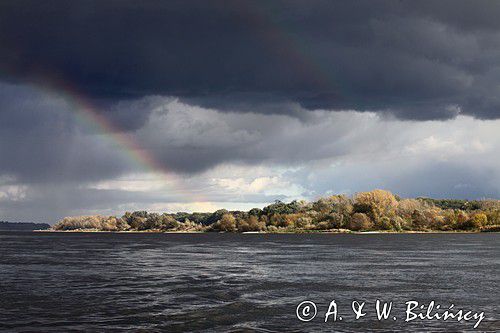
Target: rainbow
(285, 44)
(273, 36)
(88, 115)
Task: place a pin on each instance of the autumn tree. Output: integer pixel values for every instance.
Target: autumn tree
(226, 223)
(254, 224)
(376, 204)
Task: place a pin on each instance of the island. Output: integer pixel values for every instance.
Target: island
(376, 210)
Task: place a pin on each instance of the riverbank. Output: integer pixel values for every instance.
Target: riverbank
(340, 231)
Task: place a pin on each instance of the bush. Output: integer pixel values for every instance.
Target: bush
(303, 222)
(384, 223)
(491, 228)
(475, 222)
(360, 221)
(189, 225)
(272, 228)
(480, 220)
(324, 225)
(398, 223)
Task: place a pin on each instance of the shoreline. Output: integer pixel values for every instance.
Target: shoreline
(375, 232)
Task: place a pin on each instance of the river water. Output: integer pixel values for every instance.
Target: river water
(109, 282)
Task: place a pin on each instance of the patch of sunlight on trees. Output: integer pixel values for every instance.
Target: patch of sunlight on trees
(365, 211)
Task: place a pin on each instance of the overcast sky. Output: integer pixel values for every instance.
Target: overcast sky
(108, 106)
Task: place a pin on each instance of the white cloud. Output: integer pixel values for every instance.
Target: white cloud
(136, 182)
(13, 192)
(273, 185)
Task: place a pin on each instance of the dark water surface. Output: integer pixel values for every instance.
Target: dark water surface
(53, 282)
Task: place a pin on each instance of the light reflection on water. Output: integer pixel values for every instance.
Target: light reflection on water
(225, 282)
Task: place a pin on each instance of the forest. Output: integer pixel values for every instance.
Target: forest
(376, 210)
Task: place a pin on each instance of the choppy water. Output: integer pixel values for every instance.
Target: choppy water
(240, 283)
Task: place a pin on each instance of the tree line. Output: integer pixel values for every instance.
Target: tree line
(365, 211)
(23, 226)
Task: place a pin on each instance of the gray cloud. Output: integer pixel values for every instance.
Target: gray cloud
(43, 139)
(193, 139)
(408, 178)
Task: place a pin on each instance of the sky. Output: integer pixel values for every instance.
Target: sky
(114, 106)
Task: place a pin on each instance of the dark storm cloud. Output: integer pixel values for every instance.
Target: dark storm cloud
(417, 60)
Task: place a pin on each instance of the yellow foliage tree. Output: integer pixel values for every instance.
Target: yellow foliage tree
(227, 223)
(378, 203)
